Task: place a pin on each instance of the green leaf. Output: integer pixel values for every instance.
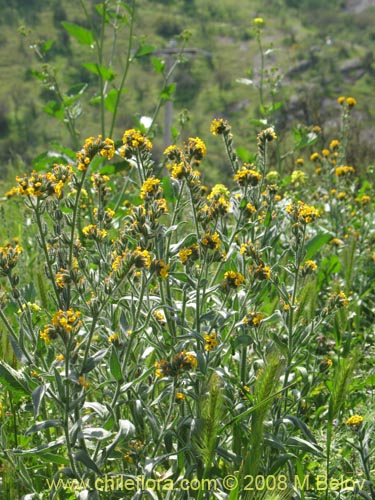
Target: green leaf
(82, 35)
(245, 155)
(96, 433)
(126, 429)
(45, 47)
(315, 244)
(144, 50)
(158, 64)
(168, 189)
(112, 99)
(55, 459)
(37, 398)
(168, 91)
(115, 366)
(106, 73)
(93, 361)
(46, 159)
(13, 380)
(40, 449)
(55, 109)
(17, 349)
(40, 426)
(74, 93)
(84, 457)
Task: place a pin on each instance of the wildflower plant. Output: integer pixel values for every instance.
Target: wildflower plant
(178, 332)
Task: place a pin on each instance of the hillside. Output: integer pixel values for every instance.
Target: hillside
(314, 53)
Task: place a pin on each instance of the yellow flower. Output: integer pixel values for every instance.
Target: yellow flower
(298, 177)
(344, 170)
(351, 101)
(113, 338)
(233, 279)
(196, 148)
(83, 382)
(180, 396)
(334, 144)
(219, 126)
(210, 341)
(60, 357)
(149, 188)
(247, 176)
(354, 420)
(262, 272)
(142, 258)
(259, 22)
(253, 319)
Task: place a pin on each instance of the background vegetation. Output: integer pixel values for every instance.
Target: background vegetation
(316, 50)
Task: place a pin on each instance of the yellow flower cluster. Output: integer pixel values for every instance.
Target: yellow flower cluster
(350, 101)
(210, 341)
(253, 319)
(114, 338)
(161, 268)
(141, 258)
(182, 361)
(302, 212)
(63, 323)
(247, 176)
(189, 253)
(42, 185)
(9, 257)
(134, 140)
(92, 147)
(233, 279)
(298, 177)
(150, 188)
(92, 232)
(262, 272)
(354, 420)
(196, 148)
(160, 317)
(344, 170)
(219, 126)
(211, 241)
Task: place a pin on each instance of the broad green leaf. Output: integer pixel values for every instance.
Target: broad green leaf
(158, 64)
(40, 449)
(17, 349)
(13, 380)
(245, 155)
(83, 457)
(144, 50)
(112, 98)
(94, 360)
(82, 35)
(37, 398)
(126, 430)
(40, 426)
(55, 459)
(168, 91)
(96, 433)
(106, 73)
(168, 189)
(74, 93)
(46, 46)
(315, 244)
(55, 109)
(46, 159)
(114, 365)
